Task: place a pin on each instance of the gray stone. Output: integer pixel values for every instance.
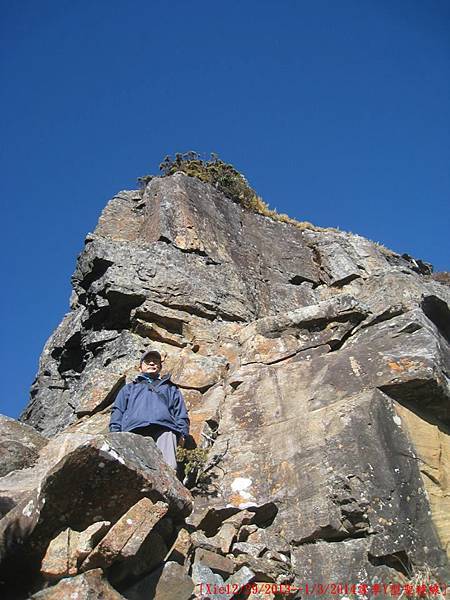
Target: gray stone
(19, 445)
(113, 278)
(226, 536)
(171, 582)
(240, 578)
(271, 339)
(254, 550)
(360, 468)
(206, 582)
(310, 360)
(199, 540)
(18, 485)
(264, 569)
(82, 488)
(345, 562)
(217, 563)
(150, 556)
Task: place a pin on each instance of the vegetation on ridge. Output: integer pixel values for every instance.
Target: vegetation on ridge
(225, 178)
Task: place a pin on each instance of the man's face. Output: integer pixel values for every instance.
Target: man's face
(151, 365)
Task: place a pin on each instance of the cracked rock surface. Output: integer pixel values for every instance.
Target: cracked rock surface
(315, 365)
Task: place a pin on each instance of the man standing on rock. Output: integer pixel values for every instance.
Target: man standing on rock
(152, 406)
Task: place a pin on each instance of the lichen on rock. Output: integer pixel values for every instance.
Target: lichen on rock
(315, 366)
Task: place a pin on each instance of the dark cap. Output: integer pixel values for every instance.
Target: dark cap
(150, 353)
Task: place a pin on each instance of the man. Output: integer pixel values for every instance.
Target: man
(152, 406)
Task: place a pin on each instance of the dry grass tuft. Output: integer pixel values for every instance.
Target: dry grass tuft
(227, 180)
(422, 584)
(441, 277)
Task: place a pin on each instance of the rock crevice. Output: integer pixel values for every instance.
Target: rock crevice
(315, 366)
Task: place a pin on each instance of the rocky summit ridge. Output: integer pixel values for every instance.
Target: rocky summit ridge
(315, 365)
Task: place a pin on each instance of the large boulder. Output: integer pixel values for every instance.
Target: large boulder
(321, 441)
(97, 481)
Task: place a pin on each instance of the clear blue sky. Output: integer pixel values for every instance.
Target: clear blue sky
(336, 111)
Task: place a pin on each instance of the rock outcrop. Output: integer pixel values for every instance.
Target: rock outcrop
(315, 365)
(19, 445)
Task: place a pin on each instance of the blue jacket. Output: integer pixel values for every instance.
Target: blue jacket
(138, 405)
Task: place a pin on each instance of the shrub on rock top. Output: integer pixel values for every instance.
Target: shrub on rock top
(225, 178)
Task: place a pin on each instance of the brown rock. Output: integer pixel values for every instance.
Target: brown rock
(246, 531)
(126, 537)
(262, 591)
(169, 583)
(173, 321)
(181, 547)
(87, 586)
(202, 408)
(66, 552)
(272, 339)
(432, 445)
(226, 536)
(81, 489)
(241, 518)
(98, 390)
(217, 563)
(17, 485)
(84, 542)
(55, 563)
(227, 533)
(199, 372)
(92, 424)
(159, 334)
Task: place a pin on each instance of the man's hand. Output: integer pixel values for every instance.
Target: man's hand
(181, 441)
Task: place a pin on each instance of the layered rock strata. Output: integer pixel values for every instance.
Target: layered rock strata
(315, 365)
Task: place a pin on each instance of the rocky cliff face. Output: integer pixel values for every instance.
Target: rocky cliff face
(315, 365)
